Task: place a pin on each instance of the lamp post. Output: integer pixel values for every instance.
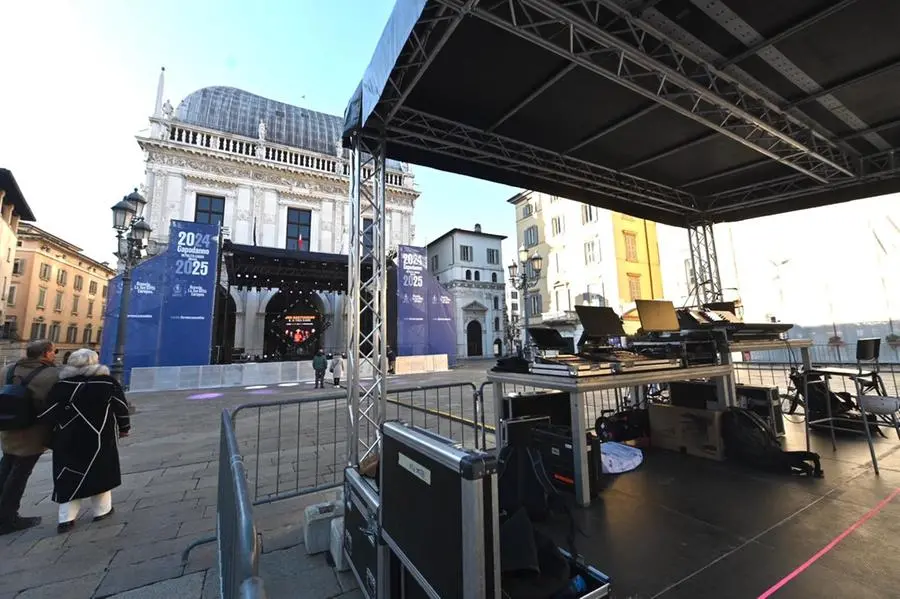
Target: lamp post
(132, 232)
(522, 277)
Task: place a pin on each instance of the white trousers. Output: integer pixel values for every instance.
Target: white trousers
(100, 506)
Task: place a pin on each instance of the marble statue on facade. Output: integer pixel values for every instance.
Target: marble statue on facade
(262, 130)
(167, 110)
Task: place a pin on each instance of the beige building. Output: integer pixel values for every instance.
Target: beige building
(13, 208)
(57, 292)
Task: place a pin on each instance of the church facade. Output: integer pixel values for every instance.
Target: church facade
(272, 175)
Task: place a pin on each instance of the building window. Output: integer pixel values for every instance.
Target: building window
(496, 303)
(514, 307)
(53, 335)
(10, 328)
(103, 294)
(631, 253)
(57, 304)
(496, 323)
(530, 236)
(42, 297)
(434, 263)
(513, 295)
(368, 235)
(465, 253)
(493, 277)
(590, 252)
(92, 288)
(18, 266)
(99, 334)
(90, 311)
(78, 283)
(72, 334)
(634, 286)
(589, 214)
(209, 210)
(527, 210)
(493, 256)
(38, 330)
(75, 304)
(298, 230)
(537, 306)
(61, 277)
(477, 275)
(86, 334)
(468, 275)
(46, 271)
(558, 225)
(11, 296)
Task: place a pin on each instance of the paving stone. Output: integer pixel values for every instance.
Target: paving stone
(198, 526)
(93, 533)
(140, 553)
(183, 587)
(119, 579)
(282, 570)
(76, 587)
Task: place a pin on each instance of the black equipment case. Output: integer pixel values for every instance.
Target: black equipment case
(439, 512)
(366, 555)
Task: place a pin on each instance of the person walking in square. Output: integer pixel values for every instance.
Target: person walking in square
(22, 448)
(320, 364)
(337, 368)
(88, 413)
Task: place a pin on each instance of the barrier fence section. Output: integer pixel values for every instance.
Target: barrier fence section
(238, 547)
(299, 446)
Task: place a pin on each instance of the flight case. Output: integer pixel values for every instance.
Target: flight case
(439, 512)
(361, 543)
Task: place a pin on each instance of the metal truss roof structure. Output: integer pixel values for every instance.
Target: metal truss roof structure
(681, 111)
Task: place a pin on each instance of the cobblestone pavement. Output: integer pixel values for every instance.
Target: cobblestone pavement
(168, 500)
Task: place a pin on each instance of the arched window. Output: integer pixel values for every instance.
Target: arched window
(493, 277)
(496, 303)
(477, 275)
(468, 275)
(496, 322)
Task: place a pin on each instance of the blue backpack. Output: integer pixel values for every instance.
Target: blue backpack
(17, 409)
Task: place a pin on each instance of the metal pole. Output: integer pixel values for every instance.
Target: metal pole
(524, 280)
(118, 366)
(216, 348)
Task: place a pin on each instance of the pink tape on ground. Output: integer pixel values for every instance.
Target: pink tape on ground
(799, 570)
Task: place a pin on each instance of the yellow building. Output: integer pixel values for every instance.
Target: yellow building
(57, 292)
(13, 208)
(591, 256)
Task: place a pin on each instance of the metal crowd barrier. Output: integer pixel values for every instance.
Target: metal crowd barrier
(296, 447)
(239, 546)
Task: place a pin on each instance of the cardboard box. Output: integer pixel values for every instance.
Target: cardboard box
(687, 430)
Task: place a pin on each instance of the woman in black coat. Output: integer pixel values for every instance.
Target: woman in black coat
(88, 412)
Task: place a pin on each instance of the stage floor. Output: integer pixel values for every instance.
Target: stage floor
(684, 527)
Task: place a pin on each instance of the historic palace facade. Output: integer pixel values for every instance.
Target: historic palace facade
(272, 175)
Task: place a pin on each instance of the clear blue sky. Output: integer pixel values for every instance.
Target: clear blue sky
(88, 70)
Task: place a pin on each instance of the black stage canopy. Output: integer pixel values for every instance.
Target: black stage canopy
(252, 266)
(680, 111)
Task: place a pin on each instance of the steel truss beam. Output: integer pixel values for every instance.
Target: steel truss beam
(704, 263)
(650, 64)
(367, 292)
(879, 166)
(420, 130)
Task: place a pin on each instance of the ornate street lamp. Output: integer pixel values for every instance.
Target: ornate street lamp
(522, 277)
(132, 233)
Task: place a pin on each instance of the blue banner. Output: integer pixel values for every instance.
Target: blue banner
(412, 311)
(426, 321)
(190, 294)
(170, 312)
(142, 333)
(441, 321)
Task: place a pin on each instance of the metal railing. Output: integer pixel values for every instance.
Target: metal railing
(296, 447)
(238, 546)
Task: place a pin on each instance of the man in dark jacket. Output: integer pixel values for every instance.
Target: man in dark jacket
(22, 448)
(320, 363)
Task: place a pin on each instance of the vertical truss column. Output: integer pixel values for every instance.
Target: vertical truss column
(704, 263)
(366, 301)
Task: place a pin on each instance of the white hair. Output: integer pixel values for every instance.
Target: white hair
(83, 362)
